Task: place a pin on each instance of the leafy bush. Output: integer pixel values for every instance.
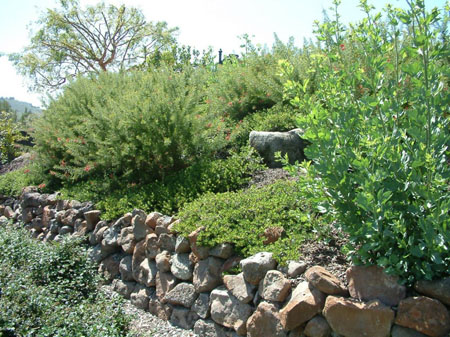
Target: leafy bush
(135, 125)
(9, 136)
(51, 290)
(12, 183)
(379, 130)
(115, 198)
(241, 217)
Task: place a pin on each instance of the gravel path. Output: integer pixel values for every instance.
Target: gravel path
(144, 324)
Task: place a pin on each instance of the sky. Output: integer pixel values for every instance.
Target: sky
(201, 23)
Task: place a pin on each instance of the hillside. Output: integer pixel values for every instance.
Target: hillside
(21, 106)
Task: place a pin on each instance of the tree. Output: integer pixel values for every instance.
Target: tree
(72, 41)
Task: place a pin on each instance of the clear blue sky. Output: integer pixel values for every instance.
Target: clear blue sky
(202, 23)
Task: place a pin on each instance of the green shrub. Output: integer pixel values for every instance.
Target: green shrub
(116, 198)
(135, 125)
(379, 130)
(12, 183)
(241, 217)
(51, 290)
(9, 136)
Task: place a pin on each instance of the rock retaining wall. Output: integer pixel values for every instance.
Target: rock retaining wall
(177, 280)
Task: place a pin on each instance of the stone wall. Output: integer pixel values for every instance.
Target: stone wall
(177, 280)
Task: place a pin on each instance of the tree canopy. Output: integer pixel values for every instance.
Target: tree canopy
(72, 41)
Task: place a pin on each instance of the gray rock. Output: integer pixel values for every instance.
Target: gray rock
(295, 268)
(228, 311)
(125, 268)
(255, 267)
(317, 327)
(274, 287)
(184, 318)
(209, 328)
(126, 240)
(109, 267)
(201, 305)
(140, 296)
(92, 218)
(167, 242)
(438, 289)
(31, 200)
(65, 230)
(182, 267)
(207, 274)
(268, 143)
(140, 229)
(241, 289)
(151, 245)
(182, 294)
(3, 220)
(123, 288)
(223, 251)
(182, 245)
(147, 273)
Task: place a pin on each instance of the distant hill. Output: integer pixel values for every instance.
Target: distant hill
(20, 106)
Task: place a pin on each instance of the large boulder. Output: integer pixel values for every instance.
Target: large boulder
(326, 282)
(274, 287)
(351, 318)
(207, 274)
(228, 311)
(265, 322)
(182, 294)
(368, 283)
(255, 267)
(424, 314)
(268, 143)
(438, 289)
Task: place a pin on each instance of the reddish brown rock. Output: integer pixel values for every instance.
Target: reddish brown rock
(424, 314)
(369, 283)
(92, 218)
(138, 257)
(152, 245)
(305, 303)
(351, 318)
(317, 327)
(47, 214)
(326, 282)
(165, 282)
(240, 289)
(265, 322)
(438, 289)
(126, 240)
(273, 234)
(199, 252)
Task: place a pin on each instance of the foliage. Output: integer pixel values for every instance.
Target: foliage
(12, 183)
(9, 136)
(379, 130)
(51, 290)
(72, 41)
(241, 218)
(116, 198)
(135, 126)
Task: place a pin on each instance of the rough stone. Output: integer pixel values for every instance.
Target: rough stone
(438, 289)
(182, 245)
(351, 318)
(65, 230)
(92, 218)
(109, 267)
(162, 224)
(151, 219)
(140, 229)
(424, 314)
(126, 269)
(31, 199)
(147, 273)
(151, 245)
(368, 283)
(183, 317)
(140, 296)
(182, 294)
(182, 267)
(124, 288)
(399, 331)
(163, 261)
(7, 212)
(324, 281)
(199, 252)
(201, 305)
(268, 143)
(274, 286)
(70, 216)
(167, 242)
(304, 304)
(242, 290)
(138, 257)
(207, 275)
(265, 322)
(27, 214)
(165, 282)
(317, 327)
(295, 268)
(255, 267)
(126, 240)
(223, 251)
(228, 311)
